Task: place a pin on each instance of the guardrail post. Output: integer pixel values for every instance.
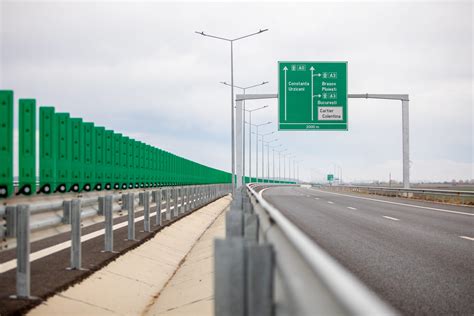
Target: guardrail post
(131, 215)
(179, 200)
(175, 202)
(109, 222)
(185, 199)
(191, 198)
(66, 212)
(145, 197)
(11, 221)
(168, 203)
(76, 249)
(234, 223)
(201, 195)
(157, 198)
(23, 275)
(229, 278)
(259, 285)
(101, 210)
(251, 227)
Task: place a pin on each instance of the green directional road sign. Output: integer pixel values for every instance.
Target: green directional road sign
(312, 95)
(330, 177)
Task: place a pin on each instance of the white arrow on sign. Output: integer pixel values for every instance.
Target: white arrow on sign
(285, 69)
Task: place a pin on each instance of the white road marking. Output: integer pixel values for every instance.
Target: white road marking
(397, 203)
(316, 198)
(392, 218)
(330, 202)
(468, 238)
(352, 208)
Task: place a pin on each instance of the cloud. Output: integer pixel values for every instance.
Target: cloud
(140, 69)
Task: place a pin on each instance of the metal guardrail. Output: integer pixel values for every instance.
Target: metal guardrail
(177, 200)
(269, 266)
(402, 190)
(53, 211)
(465, 197)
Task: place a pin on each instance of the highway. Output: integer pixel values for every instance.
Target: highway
(417, 256)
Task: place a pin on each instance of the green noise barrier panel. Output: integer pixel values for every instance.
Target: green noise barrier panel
(27, 146)
(79, 156)
(48, 148)
(6, 143)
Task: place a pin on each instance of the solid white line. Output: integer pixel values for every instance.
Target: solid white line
(397, 203)
(392, 218)
(330, 202)
(352, 208)
(468, 238)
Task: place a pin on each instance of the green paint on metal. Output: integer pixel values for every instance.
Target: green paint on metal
(48, 149)
(77, 154)
(90, 152)
(6, 143)
(64, 152)
(312, 96)
(27, 146)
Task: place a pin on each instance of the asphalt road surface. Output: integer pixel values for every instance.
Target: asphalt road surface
(417, 256)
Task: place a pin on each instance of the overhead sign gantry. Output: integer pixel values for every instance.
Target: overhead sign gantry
(312, 95)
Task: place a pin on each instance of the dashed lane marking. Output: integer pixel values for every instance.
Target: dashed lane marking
(397, 203)
(468, 238)
(392, 218)
(352, 208)
(330, 202)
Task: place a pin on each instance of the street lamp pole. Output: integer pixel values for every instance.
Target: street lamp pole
(256, 150)
(289, 166)
(263, 154)
(268, 158)
(273, 160)
(250, 138)
(279, 162)
(231, 41)
(244, 89)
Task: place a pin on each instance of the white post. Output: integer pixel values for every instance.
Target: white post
(256, 154)
(268, 161)
(232, 113)
(250, 144)
(238, 143)
(279, 166)
(263, 160)
(243, 141)
(273, 163)
(406, 144)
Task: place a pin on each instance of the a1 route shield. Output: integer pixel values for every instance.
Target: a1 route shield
(312, 95)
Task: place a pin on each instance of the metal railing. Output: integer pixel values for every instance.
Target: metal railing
(464, 197)
(173, 202)
(268, 266)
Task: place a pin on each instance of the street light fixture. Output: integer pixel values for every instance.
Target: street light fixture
(231, 41)
(243, 127)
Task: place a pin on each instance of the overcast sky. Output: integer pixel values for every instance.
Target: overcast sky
(139, 68)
